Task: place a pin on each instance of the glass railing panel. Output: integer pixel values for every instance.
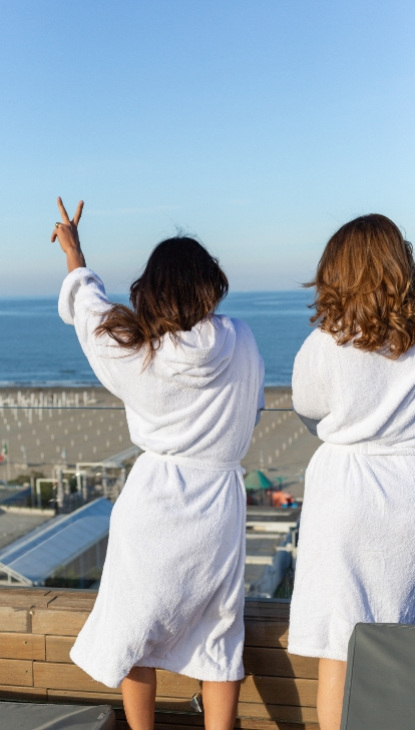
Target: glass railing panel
(61, 451)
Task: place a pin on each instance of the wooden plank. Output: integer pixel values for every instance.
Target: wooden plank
(13, 671)
(252, 724)
(266, 633)
(58, 648)
(24, 597)
(246, 709)
(169, 704)
(260, 608)
(255, 689)
(168, 721)
(279, 691)
(258, 724)
(167, 725)
(170, 684)
(282, 713)
(70, 593)
(110, 697)
(31, 694)
(267, 609)
(244, 724)
(59, 623)
(278, 663)
(79, 601)
(22, 646)
(66, 677)
(14, 619)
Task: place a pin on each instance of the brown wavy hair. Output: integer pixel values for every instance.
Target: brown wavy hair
(181, 285)
(365, 287)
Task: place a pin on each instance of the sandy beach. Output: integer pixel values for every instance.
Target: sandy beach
(46, 427)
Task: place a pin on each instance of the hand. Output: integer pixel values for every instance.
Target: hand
(67, 235)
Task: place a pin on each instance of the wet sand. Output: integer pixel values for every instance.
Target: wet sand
(46, 427)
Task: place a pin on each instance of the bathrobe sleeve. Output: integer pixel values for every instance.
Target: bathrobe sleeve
(84, 303)
(311, 380)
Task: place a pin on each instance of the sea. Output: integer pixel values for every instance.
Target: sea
(38, 349)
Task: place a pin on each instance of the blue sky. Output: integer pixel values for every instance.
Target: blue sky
(261, 126)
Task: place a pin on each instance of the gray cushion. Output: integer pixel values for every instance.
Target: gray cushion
(32, 716)
(380, 679)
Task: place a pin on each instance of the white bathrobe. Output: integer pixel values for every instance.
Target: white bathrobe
(356, 558)
(172, 588)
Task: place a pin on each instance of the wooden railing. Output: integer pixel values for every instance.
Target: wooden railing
(39, 626)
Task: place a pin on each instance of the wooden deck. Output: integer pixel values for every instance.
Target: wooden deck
(39, 626)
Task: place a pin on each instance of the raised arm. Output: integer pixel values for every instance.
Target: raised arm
(67, 234)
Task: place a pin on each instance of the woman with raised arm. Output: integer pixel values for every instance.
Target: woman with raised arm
(172, 588)
(354, 386)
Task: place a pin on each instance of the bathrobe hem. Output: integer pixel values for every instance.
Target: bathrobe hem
(190, 671)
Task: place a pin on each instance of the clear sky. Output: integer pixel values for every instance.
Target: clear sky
(261, 126)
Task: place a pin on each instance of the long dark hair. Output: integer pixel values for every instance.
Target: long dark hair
(181, 285)
(365, 287)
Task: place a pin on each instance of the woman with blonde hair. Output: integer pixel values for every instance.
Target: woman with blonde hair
(172, 589)
(354, 387)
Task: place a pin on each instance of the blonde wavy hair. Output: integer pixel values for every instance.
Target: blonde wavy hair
(365, 287)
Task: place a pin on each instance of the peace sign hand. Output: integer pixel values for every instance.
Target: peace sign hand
(67, 235)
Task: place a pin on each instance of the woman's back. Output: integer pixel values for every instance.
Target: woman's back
(196, 397)
(356, 396)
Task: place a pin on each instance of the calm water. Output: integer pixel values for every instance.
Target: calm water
(37, 348)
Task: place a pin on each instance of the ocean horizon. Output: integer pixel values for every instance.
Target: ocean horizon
(38, 350)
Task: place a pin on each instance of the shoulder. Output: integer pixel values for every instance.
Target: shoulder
(241, 328)
(318, 341)
(81, 277)
(81, 289)
(241, 331)
(316, 353)
(243, 339)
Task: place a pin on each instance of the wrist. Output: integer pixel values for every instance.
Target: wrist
(75, 259)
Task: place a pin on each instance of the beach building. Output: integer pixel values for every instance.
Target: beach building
(270, 550)
(67, 551)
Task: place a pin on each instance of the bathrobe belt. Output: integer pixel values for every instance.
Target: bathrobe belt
(377, 448)
(210, 464)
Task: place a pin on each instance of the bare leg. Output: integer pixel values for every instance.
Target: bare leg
(331, 678)
(220, 702)
(139, 695)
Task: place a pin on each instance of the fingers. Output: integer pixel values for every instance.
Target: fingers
(65, 218)
(78, 212)
(62, 211)
(54, 235)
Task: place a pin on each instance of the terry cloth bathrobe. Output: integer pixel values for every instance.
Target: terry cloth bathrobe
(356, 557)
(172, 588)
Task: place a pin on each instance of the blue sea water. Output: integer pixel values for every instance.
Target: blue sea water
(36, 348)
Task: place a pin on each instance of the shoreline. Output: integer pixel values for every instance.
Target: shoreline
(37, 396)
(79, 385)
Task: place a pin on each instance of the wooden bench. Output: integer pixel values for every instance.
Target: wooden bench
(39, 626)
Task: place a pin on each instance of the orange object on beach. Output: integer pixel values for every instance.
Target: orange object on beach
(279, 499)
